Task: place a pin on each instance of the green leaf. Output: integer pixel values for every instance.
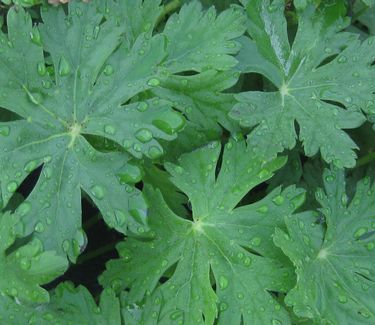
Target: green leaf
(102, 57)
(84, 96)
(141, 17)
(201, 99)
(290, 174)
(68, 306)
(334, 264)
(323, 79)
(369, 3)
(367, 18)
(213, 248)
(25, 268)
(159, 179)
(198, 40)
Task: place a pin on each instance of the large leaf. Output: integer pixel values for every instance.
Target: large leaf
(91, 90)
(334, 264)
(208, 261)
(323, 79)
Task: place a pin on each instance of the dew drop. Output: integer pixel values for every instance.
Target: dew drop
(170, 122)
(155, 152)
(35, 37)
(256, 241)
(223, 306)
(116, 284)
(41, 68)
(39, 227)
(127, 144)
(328, 50)
(223, 282)
(153, 82)
(131, 175)
(278, 200)
(4, 130)
(247, 261)
(30, 166)
(263, 209)
(176, 314)
(144, 135)
(47, 172)
(25, 263)
(137, 147)
(179, 170)
(360, 232)
(66, 245)
(96, 32)
(12, 186)
(108, 70)
(64, 67)
(142, 107)
(141, 230)
(264, 173)
(98, 191)
(109, 129)
(370, 246)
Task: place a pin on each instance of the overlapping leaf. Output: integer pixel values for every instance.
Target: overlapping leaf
(24, 268)
(323, 79)
(334, 264)
(214, 248)
(90, 90)
(68, 306)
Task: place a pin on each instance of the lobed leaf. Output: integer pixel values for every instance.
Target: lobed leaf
(334, 263)
(323, 80)
(220, 262)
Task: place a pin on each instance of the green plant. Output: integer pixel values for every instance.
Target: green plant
(217, 151)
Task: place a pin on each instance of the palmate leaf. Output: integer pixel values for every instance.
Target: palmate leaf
(24, 268)
(324, 79)
(214, 249)
(335, 266)
(68, 306)
(206, 108)
(101, 62)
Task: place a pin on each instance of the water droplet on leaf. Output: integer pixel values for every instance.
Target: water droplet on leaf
(153, 82)
(170, 122)
(98, 191)
(109, 129)
(223, 282)
(108, 70)
(4, 130)
(12, 186)
(64, 67)
(144, 135)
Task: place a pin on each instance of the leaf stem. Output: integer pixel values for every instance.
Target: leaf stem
(168, 8)
(365, 160)
(100, 251)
